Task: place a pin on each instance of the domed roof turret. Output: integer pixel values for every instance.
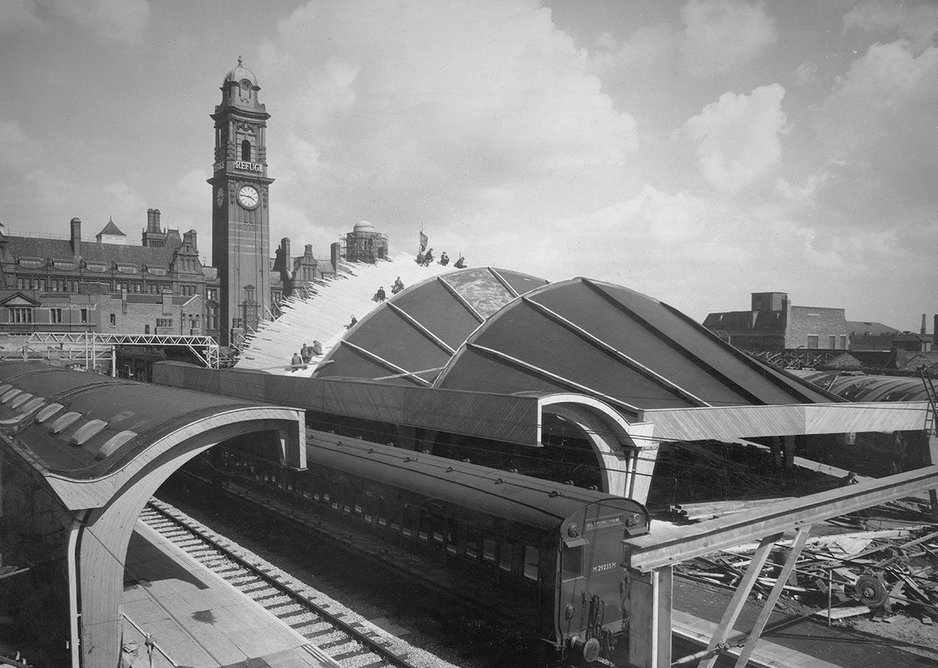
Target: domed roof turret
(240, 72)
(363, 226)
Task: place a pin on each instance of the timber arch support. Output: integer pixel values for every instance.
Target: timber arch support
(81, 456)
(625, 452)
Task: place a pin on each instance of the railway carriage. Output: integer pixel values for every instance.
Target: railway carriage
(549, 554)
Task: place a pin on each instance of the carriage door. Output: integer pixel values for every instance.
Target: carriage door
(591, 568)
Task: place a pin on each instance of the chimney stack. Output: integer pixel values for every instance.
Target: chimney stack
(924, 328)
(76, 236)
(191, 238)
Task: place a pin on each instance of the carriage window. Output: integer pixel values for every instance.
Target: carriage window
(423, 525)
(472, 543)
(381, 510)
(572, 563)
(504, 556)
(349, 496)
(433, 525)
(456, 532)
(411, 517)
(488, 548)
(531, 558)
(453, 530)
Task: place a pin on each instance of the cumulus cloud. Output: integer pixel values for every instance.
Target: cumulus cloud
(721, 35)
(403, 102)
(191, 186)
(653, 216)
(640, 50)
(122, 21)
(917, 22)
(18, 16)
(805, 73)
(667, 242)
(124, 199)
(806, 192)
(653, 241)
(737, 137)
(874, 121)
(15, 146)
(713, 37)
(878, 97)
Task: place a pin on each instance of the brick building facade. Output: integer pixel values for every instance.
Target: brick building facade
(773, 323)
(109, 285)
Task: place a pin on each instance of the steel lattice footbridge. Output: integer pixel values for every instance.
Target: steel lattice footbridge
(95, 349)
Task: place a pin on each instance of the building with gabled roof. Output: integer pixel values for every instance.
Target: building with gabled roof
(75, 285)
(111, 234)
(773, 323)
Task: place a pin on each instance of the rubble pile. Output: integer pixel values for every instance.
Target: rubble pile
(879, 572)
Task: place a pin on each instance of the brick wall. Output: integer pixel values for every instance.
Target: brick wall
(805, 322)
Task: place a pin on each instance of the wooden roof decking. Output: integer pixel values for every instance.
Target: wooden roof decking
(322, 311)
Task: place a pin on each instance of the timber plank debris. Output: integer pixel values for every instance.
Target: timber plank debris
(867, 572)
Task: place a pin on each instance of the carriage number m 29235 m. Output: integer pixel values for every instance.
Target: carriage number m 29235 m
(604, 567)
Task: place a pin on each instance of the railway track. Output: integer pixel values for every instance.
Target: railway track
(347, 644)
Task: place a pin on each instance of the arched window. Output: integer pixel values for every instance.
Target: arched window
(246, 150)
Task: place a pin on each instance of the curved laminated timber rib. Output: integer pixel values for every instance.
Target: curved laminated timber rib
(91, 451)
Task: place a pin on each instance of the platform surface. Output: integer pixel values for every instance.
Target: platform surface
(197, 618)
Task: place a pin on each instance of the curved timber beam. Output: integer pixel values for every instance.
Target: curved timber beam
(625, 452)
(101, 536)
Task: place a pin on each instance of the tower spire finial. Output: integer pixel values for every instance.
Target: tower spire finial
(240, 62)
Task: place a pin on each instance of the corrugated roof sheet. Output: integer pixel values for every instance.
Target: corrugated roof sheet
(861, 387)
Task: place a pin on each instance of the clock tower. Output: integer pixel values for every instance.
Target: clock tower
(240, 216)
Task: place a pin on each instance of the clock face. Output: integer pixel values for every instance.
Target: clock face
(248, 197)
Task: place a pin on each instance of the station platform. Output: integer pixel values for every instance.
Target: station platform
(198, 620)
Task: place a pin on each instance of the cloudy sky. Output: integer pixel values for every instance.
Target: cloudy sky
(694, 151)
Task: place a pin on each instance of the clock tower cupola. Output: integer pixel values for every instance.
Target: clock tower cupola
(240, 215)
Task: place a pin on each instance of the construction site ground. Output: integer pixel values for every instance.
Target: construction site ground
(896, 544)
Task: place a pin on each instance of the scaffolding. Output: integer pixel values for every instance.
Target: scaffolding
(93, 350)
